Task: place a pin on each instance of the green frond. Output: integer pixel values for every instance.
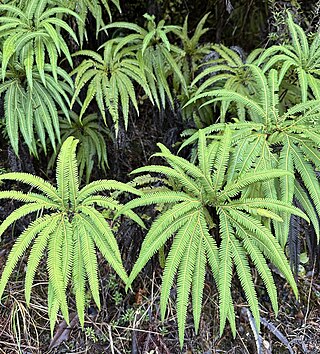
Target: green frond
(198, 276)
(308, 176)
(174, 258)
(90, 262)
(78, 271)
(36, 253)
(185, 165)
(307, 206)
(266, 243)
(160, 231)
(99, 223)
(222, 160)
(167, 197)
(266, 203)
(233, 188)
(259, 261)
(179, 175)
(225, 269)
(104, 185)
(106, 244)
(244, 274)
(54, 264)
(20, 246)
(185, 275)
(19, 213)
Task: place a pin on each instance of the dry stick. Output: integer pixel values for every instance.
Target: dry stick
(110, 339)
(256, 334)
(271, 327)
(309, 296)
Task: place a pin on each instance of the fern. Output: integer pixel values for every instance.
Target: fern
(95, 8)
(290, 138)
(227, 69)
(34, 112)
(300, 56)
(92, 144)
(70, 228)
(156, 55)
(210, 221)
(30, 31)
(110, 80)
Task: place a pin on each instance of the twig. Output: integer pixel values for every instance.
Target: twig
(256, 334)
(309, 297)
(271, 327)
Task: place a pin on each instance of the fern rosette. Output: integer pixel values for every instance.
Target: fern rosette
(71, 229)
(211, 221)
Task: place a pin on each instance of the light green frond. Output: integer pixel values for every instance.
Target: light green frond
(198, 276)
(225, 269)
(307, 206)
(11, 105)
(110, 203)
(176, 254)
(245, 277)
(160, 231)
(266, 243)
(19, 213)
(264, 271)
(19, 247)
(222, 159)
(54, 264)
(179, 175)
(266, 203)
(105, 185)
(308, 176)
(90, 262)
(99, 223)
(187, 166)
(167, 197)
(36, 253)
(104, 243)
(185, 275)
(231, 189)
(78, 271)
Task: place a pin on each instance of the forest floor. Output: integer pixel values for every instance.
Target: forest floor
(130, 322)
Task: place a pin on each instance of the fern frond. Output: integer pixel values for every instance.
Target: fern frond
(36, 253)
(55, 268)
(185, 275)
(78, 272)
(173, 260)
(225, 269)
(19, 248)
(90, 262)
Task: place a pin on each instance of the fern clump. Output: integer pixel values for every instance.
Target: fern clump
(211, 220)
(69, 227)
(273, 137)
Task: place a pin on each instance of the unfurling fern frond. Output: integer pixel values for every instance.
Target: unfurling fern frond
(211, 221)
(70, 228)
